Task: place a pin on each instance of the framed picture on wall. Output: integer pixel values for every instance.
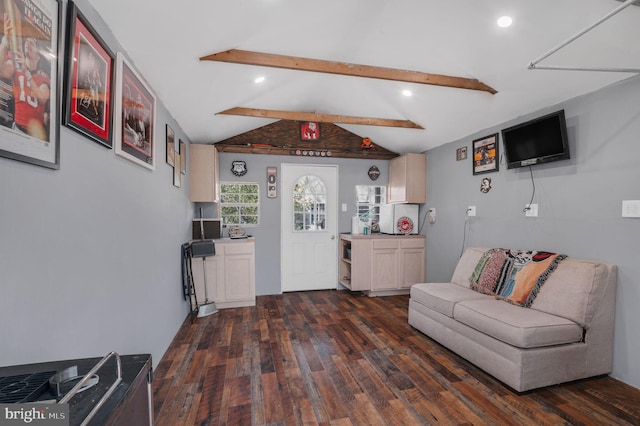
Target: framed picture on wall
(171, 150)
(177, 176)
(89, 77)
(485, 154)
(310, 131)
(183, 158)
(134, 116)
(461, 153)
(29, 91)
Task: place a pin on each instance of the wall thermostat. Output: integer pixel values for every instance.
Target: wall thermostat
(272, 174)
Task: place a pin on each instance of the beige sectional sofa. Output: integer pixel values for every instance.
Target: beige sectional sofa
(566, 334)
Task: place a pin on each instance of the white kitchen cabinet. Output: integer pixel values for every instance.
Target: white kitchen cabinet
(203, 173)
(408, 179)
(239, 273)
(230, 274)
(384, 263)
(381, 264)
(412, 262)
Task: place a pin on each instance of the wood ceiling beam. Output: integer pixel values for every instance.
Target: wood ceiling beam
(337, 153)
(320, 118)
(342, 68)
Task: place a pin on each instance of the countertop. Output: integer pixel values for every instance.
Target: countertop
(348, 236)
(228, 240)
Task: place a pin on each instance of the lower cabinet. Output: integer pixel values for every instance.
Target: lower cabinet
(384, 264)
(230, 275)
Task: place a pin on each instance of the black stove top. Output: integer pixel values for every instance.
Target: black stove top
(30, 383)
(24, 387)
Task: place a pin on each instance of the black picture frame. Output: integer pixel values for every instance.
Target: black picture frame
(485, 155)
(171, 150)
(89, 79)
(36, 141)
(183, 157)
(177, 176)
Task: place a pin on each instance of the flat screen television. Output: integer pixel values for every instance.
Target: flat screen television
(541, 140)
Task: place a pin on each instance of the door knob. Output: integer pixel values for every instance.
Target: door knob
(333, 237)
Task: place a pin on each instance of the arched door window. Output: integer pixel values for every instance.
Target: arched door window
(309, 204)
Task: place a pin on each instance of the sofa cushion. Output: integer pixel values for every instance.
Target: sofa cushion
(575, 288)
(442, 297)
(515, 325)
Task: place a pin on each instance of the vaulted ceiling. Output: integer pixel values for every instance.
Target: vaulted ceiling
(166, 39)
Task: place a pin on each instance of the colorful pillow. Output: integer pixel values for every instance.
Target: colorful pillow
(515, 276)
(529, 272)
(488, 271)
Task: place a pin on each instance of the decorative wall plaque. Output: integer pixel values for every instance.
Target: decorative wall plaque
(239, 167)
(374, 172)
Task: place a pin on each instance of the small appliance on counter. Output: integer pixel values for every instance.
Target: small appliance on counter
(237, 232)
(399, 219)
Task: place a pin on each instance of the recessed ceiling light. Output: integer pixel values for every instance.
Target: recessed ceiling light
(504, 21)
(259, 80)
(407, 92)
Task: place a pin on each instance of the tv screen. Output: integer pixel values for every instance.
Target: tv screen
(537, 141)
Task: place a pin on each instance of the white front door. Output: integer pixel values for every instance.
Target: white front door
(309, 227)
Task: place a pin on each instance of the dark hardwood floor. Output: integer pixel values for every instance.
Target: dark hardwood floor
(341, 358)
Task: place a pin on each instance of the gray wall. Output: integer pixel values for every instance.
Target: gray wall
(351, 172)
(89, 254)
(580, 203)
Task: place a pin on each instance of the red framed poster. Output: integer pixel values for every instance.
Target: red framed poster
(89, 81)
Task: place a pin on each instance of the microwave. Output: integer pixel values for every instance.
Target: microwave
(399, 218)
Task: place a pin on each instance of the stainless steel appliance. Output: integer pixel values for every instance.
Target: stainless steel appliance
(120, 392)
(399, 218)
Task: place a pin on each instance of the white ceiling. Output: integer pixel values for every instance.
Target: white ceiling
(165, 40)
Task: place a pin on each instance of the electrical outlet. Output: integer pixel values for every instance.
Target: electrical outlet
(630, 208)
(531, 210)
(344, 207)
(471, 211)
(431, 213)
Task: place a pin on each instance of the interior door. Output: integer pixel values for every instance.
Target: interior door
(309, 258)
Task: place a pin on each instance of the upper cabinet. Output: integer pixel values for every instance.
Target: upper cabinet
(408, 179)
(203, 170)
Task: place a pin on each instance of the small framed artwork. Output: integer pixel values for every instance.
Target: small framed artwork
(177, 176)
(485, 154)
(310, 131)
(90, 66)
(461, 153)
(183, 158)
(171, 150)
(30, 90)
(134, 116)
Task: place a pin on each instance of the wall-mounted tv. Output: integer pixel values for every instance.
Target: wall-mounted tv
(537, 141)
